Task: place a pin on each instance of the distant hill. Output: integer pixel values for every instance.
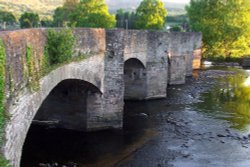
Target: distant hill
(42, 7)
(173, 8)
(46, 7)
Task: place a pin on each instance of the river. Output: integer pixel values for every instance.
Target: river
(203, 123)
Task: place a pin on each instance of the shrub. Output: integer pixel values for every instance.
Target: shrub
(59, 47)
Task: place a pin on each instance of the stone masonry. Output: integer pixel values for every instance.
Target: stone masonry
(118, 62)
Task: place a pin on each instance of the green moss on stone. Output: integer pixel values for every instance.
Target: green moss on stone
(3, 161)
(31, 72)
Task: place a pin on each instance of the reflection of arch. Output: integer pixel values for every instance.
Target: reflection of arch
(135, 79)
(23, 112)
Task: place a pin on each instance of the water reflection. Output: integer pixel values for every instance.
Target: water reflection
(229, 100)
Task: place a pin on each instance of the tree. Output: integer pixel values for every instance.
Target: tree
(61, 14)
(46, 22)
(125, 19)
(224, 24)
(92, 13)
(120, 20)
(60, 17)
(7, 17)
(150, 15)
(29, 20)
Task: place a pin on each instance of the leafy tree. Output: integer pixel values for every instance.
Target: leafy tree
(125, 19)
(92, 13)
(60, 17)
(150, 15)
(7, 17)
(46, 22)
(224, 24)
(29, 20)
(61, 14)
(120, 19)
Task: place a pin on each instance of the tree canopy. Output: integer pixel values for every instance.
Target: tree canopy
(61, 14)
(92, 13)
(7, 17)
(84, 13)
(224, 24)
(29, 20)
(150, 15)
(125, 19)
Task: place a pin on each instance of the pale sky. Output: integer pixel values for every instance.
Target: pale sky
(178, 1)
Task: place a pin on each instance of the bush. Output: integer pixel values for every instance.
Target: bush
(59, 47)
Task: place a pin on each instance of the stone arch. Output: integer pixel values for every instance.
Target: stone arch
(68, 103)
(135, 79)
(141, 57)
(23, 112)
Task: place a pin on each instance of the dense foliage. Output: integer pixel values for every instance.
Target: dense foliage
(29, 20)
(59, 47)
(124, 19)
(150, 15)
(92, 13)
(7, 17)
(60, 17)
(224, 24)
(61, 14)
(47, 22)
(84, 13)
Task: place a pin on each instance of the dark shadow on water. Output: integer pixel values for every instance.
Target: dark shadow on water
(53, 145)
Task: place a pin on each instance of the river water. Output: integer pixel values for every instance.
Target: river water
(203, 123)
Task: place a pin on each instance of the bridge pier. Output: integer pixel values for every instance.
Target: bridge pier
(157, 65)
(181, 55)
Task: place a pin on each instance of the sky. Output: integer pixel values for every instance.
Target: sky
(178, 1)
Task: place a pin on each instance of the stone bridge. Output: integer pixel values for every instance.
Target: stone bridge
(89, 94)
